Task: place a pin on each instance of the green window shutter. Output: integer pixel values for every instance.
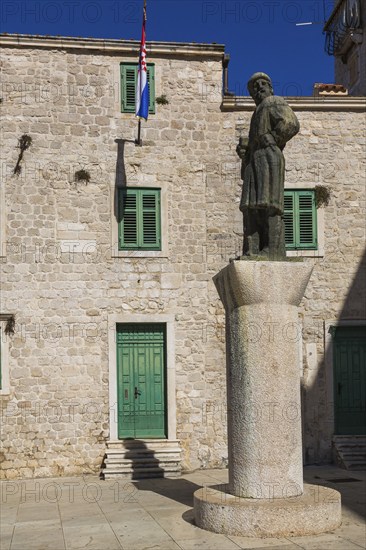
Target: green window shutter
(128, 228)
(150, 219)
(289, 219)
(139, 219)
(300, 220)
(151, 83)
(306, 233)
(128, 86)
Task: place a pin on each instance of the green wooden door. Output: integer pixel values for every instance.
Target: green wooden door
(349, 380)
(141, 380)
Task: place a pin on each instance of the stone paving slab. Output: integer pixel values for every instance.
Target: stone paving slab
(155, 514)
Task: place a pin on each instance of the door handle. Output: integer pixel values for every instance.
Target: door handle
(339, 388)
(137, 393)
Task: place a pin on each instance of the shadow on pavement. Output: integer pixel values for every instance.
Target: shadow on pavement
(180, 490)
(348, 483)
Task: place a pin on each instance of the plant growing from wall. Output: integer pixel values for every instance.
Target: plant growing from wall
(162, 100)
(24, 143)
(322, 195)
(82, 175)
(10, 325)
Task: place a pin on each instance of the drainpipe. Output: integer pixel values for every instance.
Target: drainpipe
(225, 66)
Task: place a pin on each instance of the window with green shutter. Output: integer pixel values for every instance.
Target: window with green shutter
(139, 226)
(300, 219)
(128, 86)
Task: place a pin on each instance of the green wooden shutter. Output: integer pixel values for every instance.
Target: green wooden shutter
(300, 220)
(128, 86)
(150, 219)
(289, 219)
(128, 226)
(151, 83)
(139, 215)
(306, 219)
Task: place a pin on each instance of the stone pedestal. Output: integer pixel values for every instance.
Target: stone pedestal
(263, 339)
(316, 511)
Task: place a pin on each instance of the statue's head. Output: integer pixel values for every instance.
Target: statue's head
(260, 87)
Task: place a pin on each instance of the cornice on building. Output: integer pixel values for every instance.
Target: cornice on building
(321, 103)
(112, 45)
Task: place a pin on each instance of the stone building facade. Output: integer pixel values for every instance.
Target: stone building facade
(73, 291)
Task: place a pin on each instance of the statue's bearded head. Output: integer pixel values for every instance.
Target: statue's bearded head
(260, 87)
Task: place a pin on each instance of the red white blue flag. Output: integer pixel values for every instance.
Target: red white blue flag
(142, 88)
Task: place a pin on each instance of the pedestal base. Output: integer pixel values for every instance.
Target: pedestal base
(317, 510)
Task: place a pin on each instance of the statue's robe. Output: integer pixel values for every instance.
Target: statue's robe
(264, 166)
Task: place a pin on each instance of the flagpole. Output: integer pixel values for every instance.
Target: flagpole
(138, 140)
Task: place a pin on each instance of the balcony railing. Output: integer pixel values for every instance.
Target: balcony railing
(343, 27)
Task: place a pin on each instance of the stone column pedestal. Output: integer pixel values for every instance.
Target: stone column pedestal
(261, 300)
(263, 339)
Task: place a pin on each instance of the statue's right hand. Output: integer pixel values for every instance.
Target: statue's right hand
(243, 142)
(242, 147)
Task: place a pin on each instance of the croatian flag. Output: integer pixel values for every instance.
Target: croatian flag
(142, 88)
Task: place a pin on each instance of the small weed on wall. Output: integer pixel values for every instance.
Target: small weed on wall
(162, 100)
(322, 195)
(82, 175)
(24, 143)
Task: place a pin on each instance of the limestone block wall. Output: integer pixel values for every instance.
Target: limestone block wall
(62, 276)
(60, 273)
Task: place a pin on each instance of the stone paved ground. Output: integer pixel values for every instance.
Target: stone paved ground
(88, 513)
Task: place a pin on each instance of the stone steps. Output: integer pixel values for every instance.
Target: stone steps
(138, 459)
(350, 451)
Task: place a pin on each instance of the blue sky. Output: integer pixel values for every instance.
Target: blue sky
(259, 35)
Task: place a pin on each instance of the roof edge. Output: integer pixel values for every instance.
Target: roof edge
(111, 45)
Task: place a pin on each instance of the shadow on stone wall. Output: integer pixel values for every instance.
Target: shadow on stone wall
(319, 412)
(120, 180)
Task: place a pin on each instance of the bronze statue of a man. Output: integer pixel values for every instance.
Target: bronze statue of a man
(273, 124)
